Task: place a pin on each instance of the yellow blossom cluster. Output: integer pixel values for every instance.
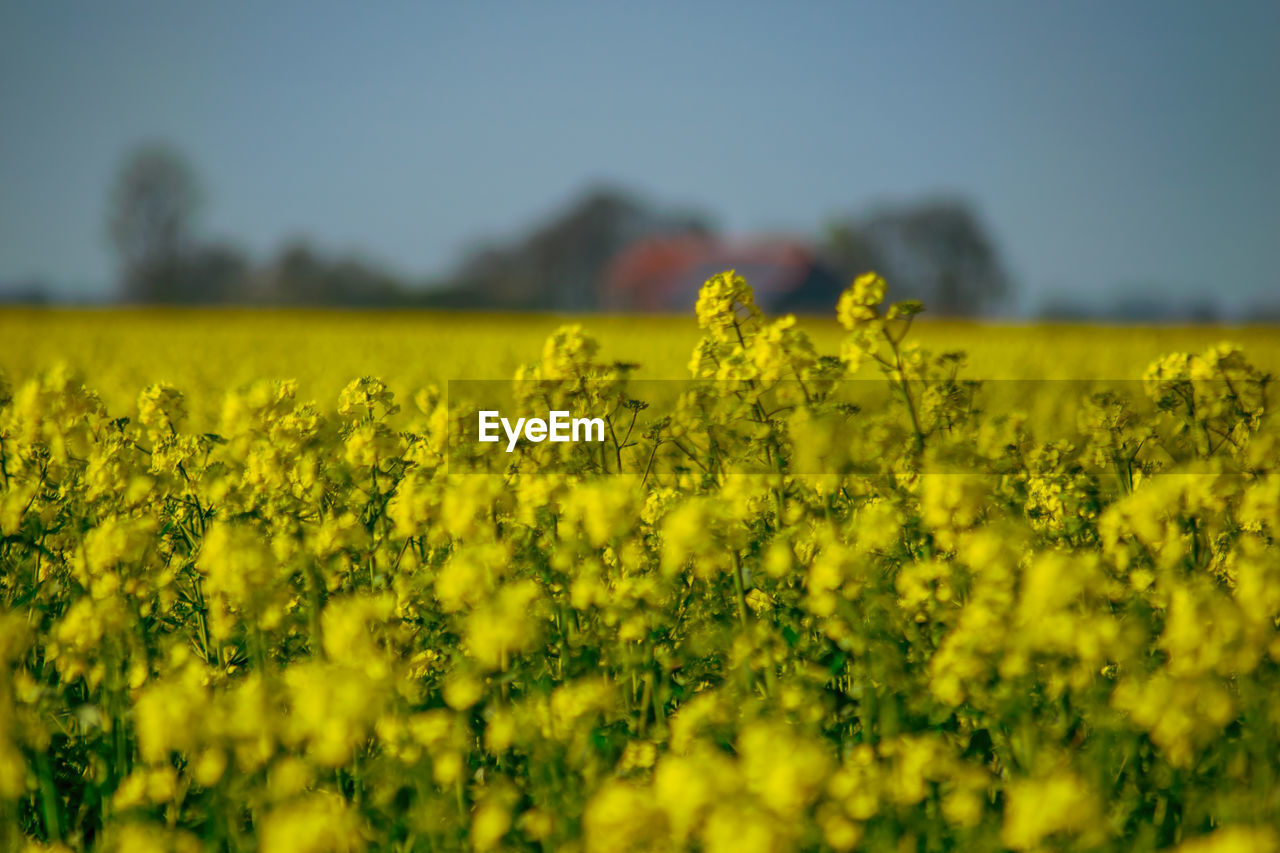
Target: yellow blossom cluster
(789, 609)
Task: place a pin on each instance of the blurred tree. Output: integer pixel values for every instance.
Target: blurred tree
(151, 211)
(849, 251)
(302, 276)
(560, 264)
(31, 291)
(935, 250)
(210, 274)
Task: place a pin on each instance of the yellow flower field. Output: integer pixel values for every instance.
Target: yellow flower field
(847, 590)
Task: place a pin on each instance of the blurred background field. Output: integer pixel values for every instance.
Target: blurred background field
(206, 352)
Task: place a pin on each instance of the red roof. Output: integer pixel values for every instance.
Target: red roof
(665, 273)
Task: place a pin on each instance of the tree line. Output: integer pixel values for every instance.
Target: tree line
(937, 250)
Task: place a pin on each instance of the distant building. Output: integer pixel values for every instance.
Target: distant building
(664, 274)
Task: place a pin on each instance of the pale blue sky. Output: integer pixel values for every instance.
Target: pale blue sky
(1104, 142)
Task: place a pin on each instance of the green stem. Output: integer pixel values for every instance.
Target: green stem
(48, 798)
(739, 587)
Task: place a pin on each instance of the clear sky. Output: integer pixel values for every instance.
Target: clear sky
(1105, 143)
